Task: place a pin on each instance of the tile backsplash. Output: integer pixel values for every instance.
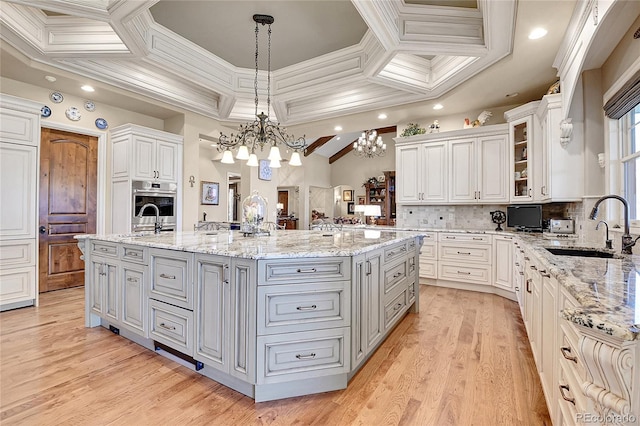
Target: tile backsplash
(478, 217)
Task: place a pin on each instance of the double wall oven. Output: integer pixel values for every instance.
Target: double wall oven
(162, 195)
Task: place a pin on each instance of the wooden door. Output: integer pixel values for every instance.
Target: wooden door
(283, 197)
(68, 190)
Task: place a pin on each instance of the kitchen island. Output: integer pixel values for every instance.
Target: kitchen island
(293, 313)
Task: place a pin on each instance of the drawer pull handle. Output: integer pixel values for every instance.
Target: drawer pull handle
(307, 271)
(543, 272)
(477, 238)
(517, 264)
(533, 267)
(310, 356)
(396, 275)
(132, 254)
(567, 350)
(169, 277)
(132, 280)
(562, 389)
(167, 327)
(307, 308)
(464, 273)
(521, 273)
(450, 238)
(526, 258)
(398, 306)
(465, 252)
(104, 249)
(528, 288)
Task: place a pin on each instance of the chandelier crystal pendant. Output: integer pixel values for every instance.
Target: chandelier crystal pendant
(369, 145)
(262, 132)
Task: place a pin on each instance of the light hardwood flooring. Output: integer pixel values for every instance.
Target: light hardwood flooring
(464, 360)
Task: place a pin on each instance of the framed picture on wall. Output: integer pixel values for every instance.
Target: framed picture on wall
(361, 199)
(347, 195)
(351, 207)
(210, 193)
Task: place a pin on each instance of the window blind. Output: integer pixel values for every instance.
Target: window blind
(625, 99)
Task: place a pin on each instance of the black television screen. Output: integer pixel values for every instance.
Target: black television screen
(526, 217)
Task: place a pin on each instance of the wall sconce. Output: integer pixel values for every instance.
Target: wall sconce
(192, 180)
(601, 161)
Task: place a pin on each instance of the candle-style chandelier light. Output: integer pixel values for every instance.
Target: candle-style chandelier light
(262, 131)
(369, 145)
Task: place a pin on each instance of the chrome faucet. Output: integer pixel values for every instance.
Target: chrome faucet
(158, 225)
(608, 243)
(627, 239)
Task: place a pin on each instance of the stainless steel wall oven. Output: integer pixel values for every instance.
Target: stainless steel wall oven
(163, 195)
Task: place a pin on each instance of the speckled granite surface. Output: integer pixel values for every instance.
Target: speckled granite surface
(280, 244)
(607, 290)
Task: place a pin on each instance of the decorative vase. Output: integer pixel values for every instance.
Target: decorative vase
(254, 211)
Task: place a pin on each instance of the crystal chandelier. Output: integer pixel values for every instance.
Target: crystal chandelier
(369, 145)
(262, 131)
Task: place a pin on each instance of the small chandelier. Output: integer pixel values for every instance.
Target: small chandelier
(369, 145)
(262, 131)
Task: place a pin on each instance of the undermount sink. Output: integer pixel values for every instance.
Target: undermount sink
(580, 252)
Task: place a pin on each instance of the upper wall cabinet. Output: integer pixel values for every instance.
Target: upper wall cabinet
(421, 173)
(561, 162)
(458, 167)
(140, 153)
(478, 171)
(543, 168)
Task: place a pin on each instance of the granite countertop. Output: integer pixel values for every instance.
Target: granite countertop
(280, 244)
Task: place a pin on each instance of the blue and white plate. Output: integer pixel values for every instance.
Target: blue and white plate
(101, 123)
(45, 112)
(73, 114)
(89, 106)
(56, 97)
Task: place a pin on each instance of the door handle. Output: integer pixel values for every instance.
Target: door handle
(43, 229)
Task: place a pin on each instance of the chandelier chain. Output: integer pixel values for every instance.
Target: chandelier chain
(255, 80)
(269, 72)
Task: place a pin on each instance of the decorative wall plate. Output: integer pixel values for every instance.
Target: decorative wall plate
(73, 114)
(101, 123)
(89, 106)
(45, 112)
(56, 97)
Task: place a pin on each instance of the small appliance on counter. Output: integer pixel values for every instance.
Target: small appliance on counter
(562, 226)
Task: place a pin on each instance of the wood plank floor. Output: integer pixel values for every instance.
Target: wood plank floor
(464, 360)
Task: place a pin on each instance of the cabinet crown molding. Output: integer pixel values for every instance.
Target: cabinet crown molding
(145, 131)
(521, 111)
(492, 129)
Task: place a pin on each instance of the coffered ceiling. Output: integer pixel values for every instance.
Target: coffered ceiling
(330, 58)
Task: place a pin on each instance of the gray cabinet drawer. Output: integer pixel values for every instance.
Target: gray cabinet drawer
(411, 292)
(394, 252)
(136, 254)
(295, 356)
(299, 307)
(394, 309)
(394, 276)
(103, 248)
(172, 326)
(301, 270)
(172, 277)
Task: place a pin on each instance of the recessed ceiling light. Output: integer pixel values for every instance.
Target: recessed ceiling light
(50, 78)
(338, 138)
(537, 33)
(337, 128)
(511, 95)
(87, 88)
(438, 106)
(382, 116)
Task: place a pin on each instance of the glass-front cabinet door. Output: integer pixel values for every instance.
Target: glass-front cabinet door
(521, 134)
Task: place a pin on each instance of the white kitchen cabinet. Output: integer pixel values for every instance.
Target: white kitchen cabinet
(503, 255)
(140, 153)
(19, 165)
(104, 287)
(548, 343)
(421, 173)
(522, 130)
(429, 256)
(560, 166)
(465, 258)
(533, 307)
(478, 170)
